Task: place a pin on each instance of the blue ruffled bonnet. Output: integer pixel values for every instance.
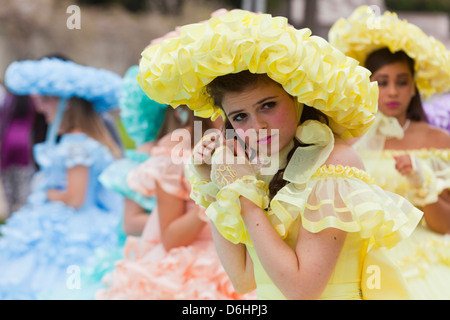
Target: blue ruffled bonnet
(65, 79)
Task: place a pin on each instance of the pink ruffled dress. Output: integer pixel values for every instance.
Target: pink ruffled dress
(150, 272)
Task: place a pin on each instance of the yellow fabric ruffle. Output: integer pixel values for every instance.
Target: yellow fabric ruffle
(225, 212)
(424, 260)
(382, 279)
(339, 197)
(321, 143)
(364, 32)
(203, 192)
(177, 70)
(335, 197)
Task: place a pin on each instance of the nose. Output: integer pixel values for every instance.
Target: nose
(392, 89)
(260, 123)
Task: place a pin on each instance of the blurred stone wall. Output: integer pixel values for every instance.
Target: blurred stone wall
(109, 37)
(113, 38)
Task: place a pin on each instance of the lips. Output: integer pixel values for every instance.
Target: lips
(265, 141)
(392, 104)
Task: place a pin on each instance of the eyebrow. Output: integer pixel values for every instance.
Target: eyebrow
(254, 105)
(398, 76)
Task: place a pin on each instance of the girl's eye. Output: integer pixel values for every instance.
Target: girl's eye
(382, 83)
(239, 117)
(268, 105)
(402, 83)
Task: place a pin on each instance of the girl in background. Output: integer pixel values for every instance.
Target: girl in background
(68, 215)
(402, 151)
(18, 134)
(175, 257)
(142, 119)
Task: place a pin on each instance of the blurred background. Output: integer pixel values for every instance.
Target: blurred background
(113, 33)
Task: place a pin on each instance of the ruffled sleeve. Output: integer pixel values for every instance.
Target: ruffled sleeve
(203, 192)
(114, 178)
(161, 169)
(79, 149)
(334, 197)
(434, 167)
(347, 199)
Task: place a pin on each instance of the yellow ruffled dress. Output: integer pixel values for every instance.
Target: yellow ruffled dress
(332, 197)
(423, 258)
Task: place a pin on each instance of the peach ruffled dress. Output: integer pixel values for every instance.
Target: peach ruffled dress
(148, 271)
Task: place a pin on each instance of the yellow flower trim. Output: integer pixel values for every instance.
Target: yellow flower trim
(364, 32)
(177, 70)
(340, 171)
(424, 153)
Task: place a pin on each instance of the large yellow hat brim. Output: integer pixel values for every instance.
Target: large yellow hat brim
(364, 32)
(177, 70)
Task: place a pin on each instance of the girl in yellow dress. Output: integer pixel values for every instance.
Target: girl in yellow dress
(402, 151)
(312, 227)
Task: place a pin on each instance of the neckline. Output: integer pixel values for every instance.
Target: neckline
(406, 125)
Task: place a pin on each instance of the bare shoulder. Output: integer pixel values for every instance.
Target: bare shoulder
(344, 154)
(146, 147)
(434, 137)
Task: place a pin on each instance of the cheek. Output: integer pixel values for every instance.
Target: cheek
(382, 92)
(285, 119)
(406, 94)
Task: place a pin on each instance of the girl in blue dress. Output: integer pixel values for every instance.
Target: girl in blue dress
(69, 215)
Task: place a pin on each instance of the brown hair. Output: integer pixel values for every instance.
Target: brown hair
(384, 56)
(239, 82)
(80, 114)
(171, 122)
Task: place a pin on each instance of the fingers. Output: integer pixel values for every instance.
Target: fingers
(403, 164)
(204, 150)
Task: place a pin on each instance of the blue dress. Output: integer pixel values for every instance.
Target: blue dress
(114, 177)
(46, 244)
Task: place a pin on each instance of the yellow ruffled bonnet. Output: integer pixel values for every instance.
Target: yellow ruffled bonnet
(177, 70)
(364, 32)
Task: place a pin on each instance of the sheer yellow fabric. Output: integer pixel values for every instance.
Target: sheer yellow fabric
(340, 197)
(311, 157)
(424, 260)
(335, 197)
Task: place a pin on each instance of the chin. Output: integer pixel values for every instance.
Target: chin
(392, 113)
